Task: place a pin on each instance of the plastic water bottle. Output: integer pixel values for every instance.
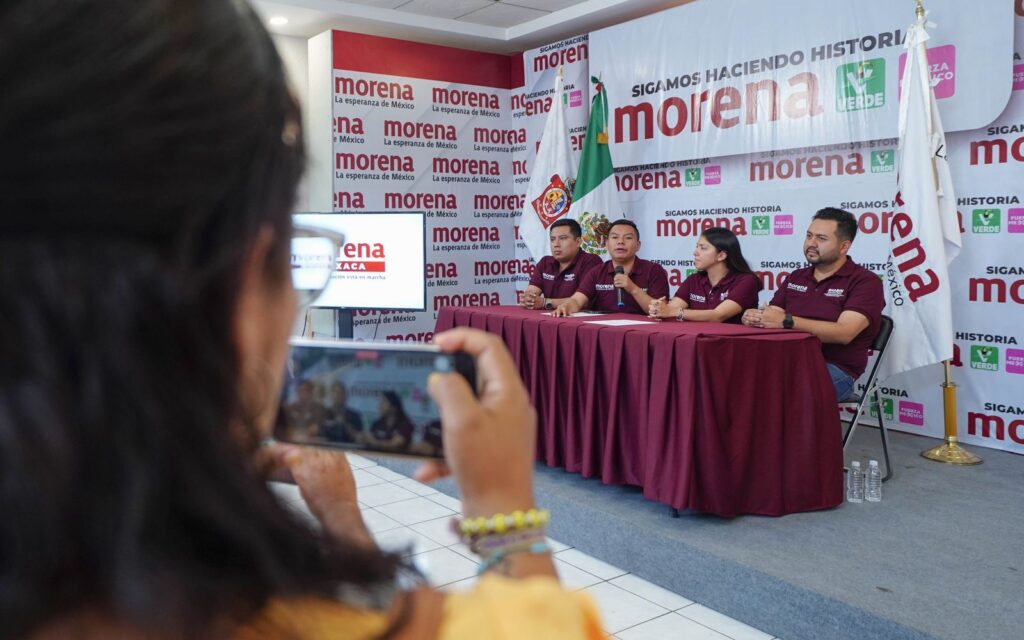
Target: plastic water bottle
(873, 492)
(855, 483)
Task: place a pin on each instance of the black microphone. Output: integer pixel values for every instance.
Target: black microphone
(618, 290)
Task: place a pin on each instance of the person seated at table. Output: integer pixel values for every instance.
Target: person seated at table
(557, 276)
(343, 424)
(722, 288)
(639, 281)
(306, 416)
(393, 429)
(836, 299)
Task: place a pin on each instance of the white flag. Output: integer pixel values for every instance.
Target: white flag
(549, 194)
(925, 234)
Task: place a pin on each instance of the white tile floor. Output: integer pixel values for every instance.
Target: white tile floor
(404, 514)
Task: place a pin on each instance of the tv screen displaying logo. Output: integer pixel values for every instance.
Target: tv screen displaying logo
(381, 265)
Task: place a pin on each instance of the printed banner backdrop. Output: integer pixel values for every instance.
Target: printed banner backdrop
(530, 106)
(766, 195)
(739, 76)
(432, 134)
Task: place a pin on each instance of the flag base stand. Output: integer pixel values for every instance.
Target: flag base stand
(950, 452)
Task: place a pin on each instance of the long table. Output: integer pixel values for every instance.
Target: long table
(718, 418)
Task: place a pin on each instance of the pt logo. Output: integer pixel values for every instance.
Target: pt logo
(860, 85)
(761, 226)
(984, 357)
(986, 221)
(888, 409)
(693, 177)
(883, 161)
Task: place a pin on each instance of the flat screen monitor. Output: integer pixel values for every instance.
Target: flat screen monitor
(383, 262)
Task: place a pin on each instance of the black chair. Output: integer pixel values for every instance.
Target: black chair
(871, 389)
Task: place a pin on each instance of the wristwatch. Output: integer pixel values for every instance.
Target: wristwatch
(549, 306)
(787, 322)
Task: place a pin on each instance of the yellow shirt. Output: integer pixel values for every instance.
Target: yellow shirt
(498, 607)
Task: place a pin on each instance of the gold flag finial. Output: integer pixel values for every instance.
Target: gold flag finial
(919, 10)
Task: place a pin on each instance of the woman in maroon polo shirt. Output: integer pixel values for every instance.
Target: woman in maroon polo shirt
(722, 288)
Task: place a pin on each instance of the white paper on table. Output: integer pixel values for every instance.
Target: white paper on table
(618, 322)
(578, 314)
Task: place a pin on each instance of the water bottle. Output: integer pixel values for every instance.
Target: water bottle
(855, 483)
(873, 493)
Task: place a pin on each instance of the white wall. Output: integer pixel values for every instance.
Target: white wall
(294, 54)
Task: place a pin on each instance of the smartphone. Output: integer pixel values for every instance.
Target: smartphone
(365, 396)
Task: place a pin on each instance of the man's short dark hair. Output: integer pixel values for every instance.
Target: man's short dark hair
(574, 227)
(628, 223)
(846, 222)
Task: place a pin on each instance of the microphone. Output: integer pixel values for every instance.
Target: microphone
(618, 290)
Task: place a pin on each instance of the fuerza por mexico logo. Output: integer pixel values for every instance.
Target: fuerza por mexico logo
(860, 85)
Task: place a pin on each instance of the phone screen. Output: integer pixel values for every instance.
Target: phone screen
(365, 396)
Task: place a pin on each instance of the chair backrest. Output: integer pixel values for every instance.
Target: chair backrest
(884, 333)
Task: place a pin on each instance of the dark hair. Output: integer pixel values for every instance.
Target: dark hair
(628, 223)
(846, 222)
(725, 240)
(394, 400)
(574, 227)
(146, 145)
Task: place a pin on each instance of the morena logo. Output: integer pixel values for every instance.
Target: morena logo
(997, 151)
(991, 425)
(675, 114)
(421, 201)
(484, 135)
(483, 268)
(996, 289)
(349, 126)
(687, 227)
(347, 200)
(809, 167)
(480, 299)
(560, 57)
(445, 235)
(363, 257)
(419, 130)
(373, 88)
(463, 166)
(373, 162)
(465, 98)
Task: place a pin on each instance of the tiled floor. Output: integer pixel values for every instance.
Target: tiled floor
(404, 514)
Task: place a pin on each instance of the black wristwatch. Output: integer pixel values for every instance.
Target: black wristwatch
(549, 306)
(787, 322)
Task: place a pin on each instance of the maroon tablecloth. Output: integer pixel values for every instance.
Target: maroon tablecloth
(719, 418)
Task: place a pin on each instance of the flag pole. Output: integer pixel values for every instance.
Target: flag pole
(950, 450)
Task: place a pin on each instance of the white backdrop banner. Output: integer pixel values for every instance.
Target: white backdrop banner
(737, 76)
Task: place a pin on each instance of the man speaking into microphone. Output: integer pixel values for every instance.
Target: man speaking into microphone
(625, 283)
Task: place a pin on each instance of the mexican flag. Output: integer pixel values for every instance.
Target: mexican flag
(549, 194)
(596, 198)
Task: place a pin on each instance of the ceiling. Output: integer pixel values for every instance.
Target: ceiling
(501, 26)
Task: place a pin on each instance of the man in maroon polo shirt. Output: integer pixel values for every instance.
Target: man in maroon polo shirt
(835, 299)
(556, 276)
(639, 280)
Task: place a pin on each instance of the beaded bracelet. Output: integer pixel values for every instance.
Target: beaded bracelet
(500, 523)
(500, 556)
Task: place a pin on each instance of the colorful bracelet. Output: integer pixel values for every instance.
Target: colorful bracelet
(497, 558)
(500, 523)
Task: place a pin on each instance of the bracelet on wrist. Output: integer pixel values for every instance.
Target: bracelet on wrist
(494, 560)
(679, 316)
(500, 523)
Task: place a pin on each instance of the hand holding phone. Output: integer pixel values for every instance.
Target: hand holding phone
(365, 396)
(489, 437)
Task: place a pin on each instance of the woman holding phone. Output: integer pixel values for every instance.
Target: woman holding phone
(722, 288)
(150, 157)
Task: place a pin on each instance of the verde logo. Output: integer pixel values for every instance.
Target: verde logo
(693, 177)
(883, 161)
(984, 357)
(888, 408)
(690, 272)
(860, 85)
(761, 225)
(986, 221)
